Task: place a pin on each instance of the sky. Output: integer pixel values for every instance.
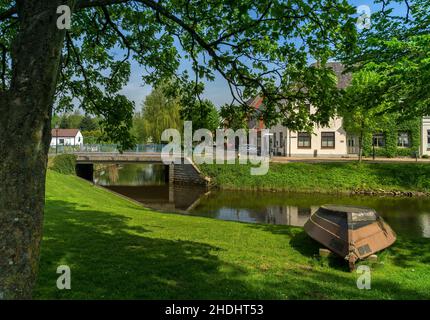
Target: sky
(217, 91)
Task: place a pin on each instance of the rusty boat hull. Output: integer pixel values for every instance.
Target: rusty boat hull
(351, 232)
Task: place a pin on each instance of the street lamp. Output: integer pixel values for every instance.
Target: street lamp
(56, 138)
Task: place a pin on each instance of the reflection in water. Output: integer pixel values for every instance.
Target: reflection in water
(130, 174)
(147, 183)
(407, 216)
(288, 215)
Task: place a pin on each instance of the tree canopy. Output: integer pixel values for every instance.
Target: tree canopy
(203, 114)
(159, 112)
(258, 47)
(397, 47)
(362, 110)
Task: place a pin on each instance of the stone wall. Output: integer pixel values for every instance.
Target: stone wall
(187, 173)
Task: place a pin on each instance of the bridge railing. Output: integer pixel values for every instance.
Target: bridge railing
(108, 148)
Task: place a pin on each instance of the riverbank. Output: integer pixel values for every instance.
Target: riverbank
(398, 179)
(117, 249)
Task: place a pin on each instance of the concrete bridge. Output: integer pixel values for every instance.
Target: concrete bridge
(186, 172)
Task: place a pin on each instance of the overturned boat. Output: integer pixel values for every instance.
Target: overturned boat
(351, 232)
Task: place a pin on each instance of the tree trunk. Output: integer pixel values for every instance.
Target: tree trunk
(25, 135)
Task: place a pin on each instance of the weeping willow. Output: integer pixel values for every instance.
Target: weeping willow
(159, 112)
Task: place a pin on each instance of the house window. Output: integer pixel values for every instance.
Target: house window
(428, 139)
(304, 140)
(281, 139)
(274, 139)
(378, 140)
(61, 141)
(327, 140)
(403, 139)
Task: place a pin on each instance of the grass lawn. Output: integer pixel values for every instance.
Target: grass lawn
(117, 249)
(330, 177)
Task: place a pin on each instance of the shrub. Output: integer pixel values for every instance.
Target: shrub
(425, 156)
(65, 164)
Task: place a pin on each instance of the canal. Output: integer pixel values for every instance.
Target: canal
(147, 184)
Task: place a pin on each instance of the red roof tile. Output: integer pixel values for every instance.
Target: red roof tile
(64, 132)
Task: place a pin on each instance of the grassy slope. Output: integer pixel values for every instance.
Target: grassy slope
(324, 177)
(117, 249)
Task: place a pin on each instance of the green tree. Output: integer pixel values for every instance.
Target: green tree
(55, 121)
(234, 117)
(397, 47)
(88, 124)
(249, 43)
(203, 114)
(92, 137)
(64, 122)
(70, 120)
(159, 112)
(137, 128)
(362, 110)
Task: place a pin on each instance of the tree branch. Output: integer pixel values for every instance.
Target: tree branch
(82, 68)
(124, 39)
(8, 13)
(245, 27)
(230, 68)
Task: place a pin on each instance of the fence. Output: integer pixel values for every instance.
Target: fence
(104, 148)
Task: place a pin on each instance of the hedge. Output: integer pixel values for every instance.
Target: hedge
(65, 164)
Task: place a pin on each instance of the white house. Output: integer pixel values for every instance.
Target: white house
(329, 141)
(66, 137)
(332, 140)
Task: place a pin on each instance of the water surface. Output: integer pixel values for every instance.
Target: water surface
(148, 184)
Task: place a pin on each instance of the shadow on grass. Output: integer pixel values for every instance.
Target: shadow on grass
(407, 252)
(310, 248)
(304, 244)
(111, 259)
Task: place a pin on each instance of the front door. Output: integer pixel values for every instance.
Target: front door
(352, 145)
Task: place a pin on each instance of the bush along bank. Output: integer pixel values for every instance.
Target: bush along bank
(64, 163)
(394, 179)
